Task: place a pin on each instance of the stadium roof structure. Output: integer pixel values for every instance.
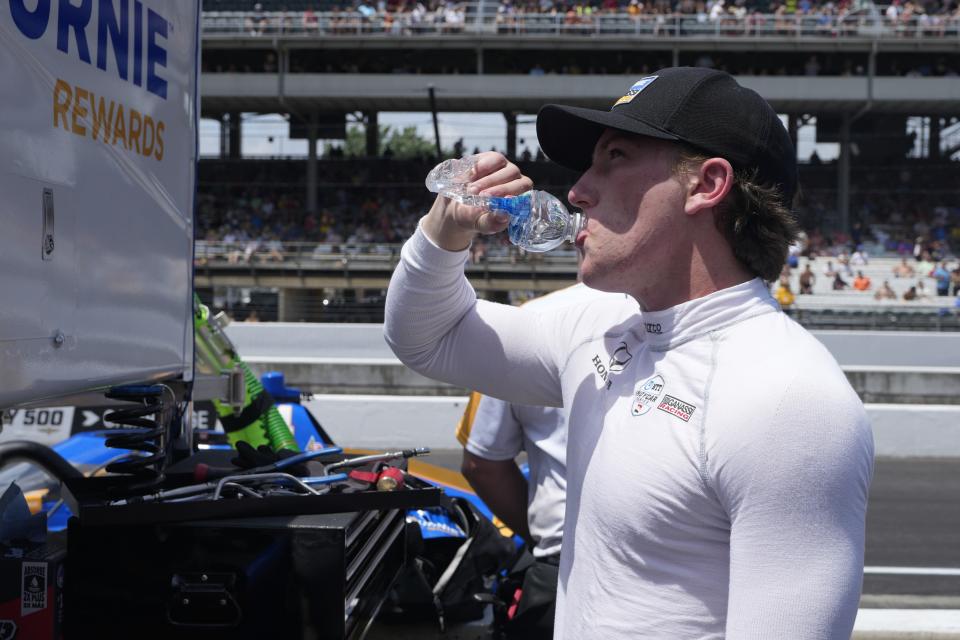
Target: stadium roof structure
(272, 92)
(867, 40)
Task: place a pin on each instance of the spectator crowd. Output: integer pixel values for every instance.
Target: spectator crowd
(830, 18)
(779, 18)
(251, 212)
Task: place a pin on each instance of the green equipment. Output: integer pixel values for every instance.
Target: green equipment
(256, 421)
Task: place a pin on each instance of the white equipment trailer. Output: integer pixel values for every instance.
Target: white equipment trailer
(98, 153)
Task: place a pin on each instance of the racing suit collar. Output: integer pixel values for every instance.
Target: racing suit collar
(689, 320)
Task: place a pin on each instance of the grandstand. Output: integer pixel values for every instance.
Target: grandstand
(316, 238)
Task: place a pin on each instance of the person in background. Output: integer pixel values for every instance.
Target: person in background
(942, 275)
(807, 280)
(919, 248)
(885, 292)
(784, 295)
(926, 265)
(493, 432)
(829, 271)
(843, 260)
(839, 284)
(310, 21)
(861, 282)
(903, 270)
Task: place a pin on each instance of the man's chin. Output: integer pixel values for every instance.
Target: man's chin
(595, 280)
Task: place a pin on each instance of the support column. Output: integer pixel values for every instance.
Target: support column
(236, 130)
(373, 133)
(432, 95)
(224, 136)
(843, 175)
(511, 118)
(793, 124)
(936, 127)
(311, 199)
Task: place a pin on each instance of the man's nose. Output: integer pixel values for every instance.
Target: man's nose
(581, 195)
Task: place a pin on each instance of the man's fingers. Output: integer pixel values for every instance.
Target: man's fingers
(491, 223)
(493, 175)
(514, 187)
(488, 162)
(501, 182)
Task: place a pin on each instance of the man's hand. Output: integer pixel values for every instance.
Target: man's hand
(452, 225)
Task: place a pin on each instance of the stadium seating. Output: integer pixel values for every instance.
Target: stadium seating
(367, 206)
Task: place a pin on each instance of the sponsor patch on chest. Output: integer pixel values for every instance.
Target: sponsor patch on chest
(677, 407)
(646, 395)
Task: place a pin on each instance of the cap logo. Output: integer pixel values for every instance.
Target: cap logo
(637, 87)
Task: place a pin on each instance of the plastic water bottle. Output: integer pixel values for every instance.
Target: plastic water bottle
(538, 221)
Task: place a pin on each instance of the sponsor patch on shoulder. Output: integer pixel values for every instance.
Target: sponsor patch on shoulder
(677, 407)
(637, 87)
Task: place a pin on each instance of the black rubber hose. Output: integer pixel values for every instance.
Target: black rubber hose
(39, 454)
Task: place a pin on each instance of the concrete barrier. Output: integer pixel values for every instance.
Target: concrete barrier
(915, 430)
(283, 341)
(892, 348)
(907, 624)
(905, 385)
(917, 385)
(367, 398)
(378, 422)
(356, 376)
(371, 421)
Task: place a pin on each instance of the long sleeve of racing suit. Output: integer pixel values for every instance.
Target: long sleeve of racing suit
(435, 324)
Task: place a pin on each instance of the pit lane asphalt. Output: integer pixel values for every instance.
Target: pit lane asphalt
(913, 520)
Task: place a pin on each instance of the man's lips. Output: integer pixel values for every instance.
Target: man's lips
(581, 238)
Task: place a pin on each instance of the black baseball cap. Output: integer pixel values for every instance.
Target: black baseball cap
(704, 108)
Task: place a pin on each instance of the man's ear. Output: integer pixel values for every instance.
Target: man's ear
(708, 185)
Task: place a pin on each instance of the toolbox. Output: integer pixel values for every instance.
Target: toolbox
(305, 576)
(92, 499)
(277, 566)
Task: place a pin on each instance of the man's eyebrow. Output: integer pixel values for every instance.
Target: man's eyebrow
(614, 138)
(611, 139)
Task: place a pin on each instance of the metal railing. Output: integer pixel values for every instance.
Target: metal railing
(296, 24)
(327, 255)
(269, 254)
(829, 310)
